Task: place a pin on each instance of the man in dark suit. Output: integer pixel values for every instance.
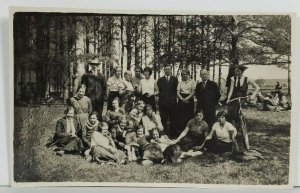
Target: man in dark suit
(208, 95)
(167, 92)
(96, 86)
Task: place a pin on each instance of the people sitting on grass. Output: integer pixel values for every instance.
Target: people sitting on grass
(151, 120)
(103, 148)
(195, 132)
(112, 116)
(226, 136)
(271, 103)
(66, 137)
(91, 125)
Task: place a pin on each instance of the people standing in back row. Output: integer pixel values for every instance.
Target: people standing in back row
(148, 88)
(167, 92)
(208, 95)
(185, 93)
(136, 80)
(95, 83)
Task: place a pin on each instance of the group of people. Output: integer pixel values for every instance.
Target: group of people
(134, 129)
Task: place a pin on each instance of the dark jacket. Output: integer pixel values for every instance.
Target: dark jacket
(208, 96)
(61, 127)
(167, 91)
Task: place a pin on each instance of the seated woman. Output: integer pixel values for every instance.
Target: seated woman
(130, 103)
(271, 103)
(112, 116)
(225, 133)
(118, 132)
(90, 126)
(103, 148)
(151, 120)
(132, 118)
(66, 134)
(194, 133)
(140, 106)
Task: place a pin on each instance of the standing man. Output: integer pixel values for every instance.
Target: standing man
(95, 84)
(208, 95)
(167, 92)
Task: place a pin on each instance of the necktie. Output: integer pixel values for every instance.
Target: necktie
(168, 78)
(204, 84)
(239, 82)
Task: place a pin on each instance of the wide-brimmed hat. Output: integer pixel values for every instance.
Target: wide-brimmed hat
(94, 61)
(241, 67)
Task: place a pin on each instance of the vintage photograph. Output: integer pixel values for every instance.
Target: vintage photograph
(167, 99)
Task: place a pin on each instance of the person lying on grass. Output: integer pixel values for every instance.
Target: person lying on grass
(225, 133)
(194, 133)
(161, 149)
(103, 148)
(66, 134)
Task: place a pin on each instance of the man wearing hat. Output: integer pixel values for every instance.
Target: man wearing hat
(96, 85)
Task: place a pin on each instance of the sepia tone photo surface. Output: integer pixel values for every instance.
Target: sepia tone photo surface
(154, 99)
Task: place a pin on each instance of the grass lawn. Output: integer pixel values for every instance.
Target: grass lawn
(269, 133)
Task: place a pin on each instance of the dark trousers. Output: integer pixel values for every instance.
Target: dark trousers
(218, 147)
(168, 113)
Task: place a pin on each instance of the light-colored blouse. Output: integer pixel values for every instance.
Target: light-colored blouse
(149, 124)
(114, 83)
(223, 132)
(186, 87)
(148, 86)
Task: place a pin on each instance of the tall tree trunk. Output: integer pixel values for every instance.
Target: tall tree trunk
(122, 41)
(136, 38)
(220, 66)
(289, 75)
(129, 42)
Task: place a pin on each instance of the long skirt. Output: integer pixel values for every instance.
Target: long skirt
(218, 146)
(82, 119)
(99, 153)
(185, 112)
(190, 141)
(70, 144)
